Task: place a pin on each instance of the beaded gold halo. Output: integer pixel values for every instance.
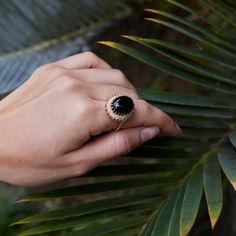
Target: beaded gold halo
(120, 108)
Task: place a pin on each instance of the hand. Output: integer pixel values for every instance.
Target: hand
(49, 125)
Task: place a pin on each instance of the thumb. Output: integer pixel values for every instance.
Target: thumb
(116, 143)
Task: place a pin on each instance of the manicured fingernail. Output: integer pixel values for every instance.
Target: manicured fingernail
(178, 128)
(149, 133)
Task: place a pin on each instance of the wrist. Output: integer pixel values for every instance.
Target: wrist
(4, 149)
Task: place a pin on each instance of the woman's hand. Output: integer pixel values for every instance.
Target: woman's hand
(49, 125)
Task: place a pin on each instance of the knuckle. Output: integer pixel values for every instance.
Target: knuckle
(122, 78)
(77, 168)
(72, 86)
(145, 112)
(44, 68)
(62, 77)
(124, 81)
(122, 145)
(58, 72)
(84, 109)
(90, 54)
(164, 119)
(145, 108)
(167, 121)
(66, 83)
(120, 75)
(81, 169)
(133, 94)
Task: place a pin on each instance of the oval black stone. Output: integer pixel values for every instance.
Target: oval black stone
(122, 105)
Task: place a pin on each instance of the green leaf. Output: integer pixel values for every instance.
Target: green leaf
(42, 33)
(161, 153)
(35, 33)
(210, 135)
(203, 122)
(147, 228)
(195, 53)
(126, 232)
(99, 188)
(172, 69)
(215, 37)
(227, 159)
(195, 36)
(174, 225)
(191, 201)
(163, 218)
(219, 11)
(195, 111)
(156, 226)
(83, 220)
(213, 188)
(186, 100)
(110, 227)
(232, 138)
(90, 207)
(212, 72)
(176, 142)
(218, 26)
(136, 169)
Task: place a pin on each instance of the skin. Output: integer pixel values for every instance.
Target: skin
(55, 126)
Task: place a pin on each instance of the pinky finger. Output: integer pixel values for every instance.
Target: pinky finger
(107, 147)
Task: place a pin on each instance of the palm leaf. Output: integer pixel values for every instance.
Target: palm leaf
(213, 188)
(162, 184)
(191, 201)
(174, 225)
(172, 69)
(91, 207)
(28, 40)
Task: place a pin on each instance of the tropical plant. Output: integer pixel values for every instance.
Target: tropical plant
(158, 189)
(36, 32)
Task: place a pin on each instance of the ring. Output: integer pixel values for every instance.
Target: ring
(120, 107)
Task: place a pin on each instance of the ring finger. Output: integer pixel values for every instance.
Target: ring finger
(144, 115)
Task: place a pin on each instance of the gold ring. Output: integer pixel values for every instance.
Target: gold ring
(120, 108)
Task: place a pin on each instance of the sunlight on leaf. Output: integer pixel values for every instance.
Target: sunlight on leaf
(174, 226)
(213, 188)
(232, 138)
(191, 201)
(227, 159)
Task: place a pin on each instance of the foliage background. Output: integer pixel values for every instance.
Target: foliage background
(130, 22)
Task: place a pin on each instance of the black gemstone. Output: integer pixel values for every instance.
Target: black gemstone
(122, 105)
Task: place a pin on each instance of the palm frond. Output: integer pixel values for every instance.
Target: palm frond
(35, 33)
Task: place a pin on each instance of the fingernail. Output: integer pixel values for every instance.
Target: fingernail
(149, 133)
(178, 128)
